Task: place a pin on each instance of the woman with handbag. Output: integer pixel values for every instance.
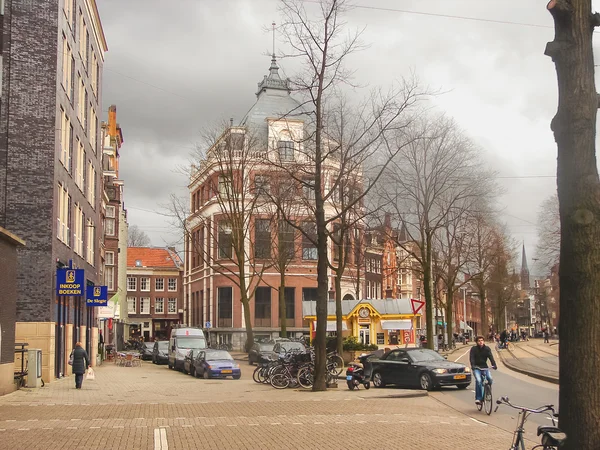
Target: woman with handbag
(81, 362)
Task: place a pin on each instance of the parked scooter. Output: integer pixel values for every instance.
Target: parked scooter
(359, 373)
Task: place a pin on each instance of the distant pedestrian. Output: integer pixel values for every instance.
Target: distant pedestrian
(81, 362)
(546, 337)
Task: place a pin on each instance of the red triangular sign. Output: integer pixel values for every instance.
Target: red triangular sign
(416, 305)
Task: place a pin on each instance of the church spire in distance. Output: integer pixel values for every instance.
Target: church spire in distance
(525, 282)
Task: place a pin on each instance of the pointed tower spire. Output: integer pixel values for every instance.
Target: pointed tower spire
(525, 282)
(273, 80)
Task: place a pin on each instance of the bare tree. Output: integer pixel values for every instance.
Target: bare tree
(548, 228)
(137, 237)
(574, 128)
(432, 181)
(323, 47)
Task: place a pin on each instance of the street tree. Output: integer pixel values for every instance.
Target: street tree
(574, 128)
(136, 237)
(548, 229)
(322, 44)
(431, 181)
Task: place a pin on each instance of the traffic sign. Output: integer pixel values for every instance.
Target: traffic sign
(207, 325)
(416, 305)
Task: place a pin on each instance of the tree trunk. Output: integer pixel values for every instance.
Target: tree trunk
(247, 315)
(338, 314)
(574, 129)
(320, 382)
(484, 325)
(449, 316)
(282, 311)
(428, 290)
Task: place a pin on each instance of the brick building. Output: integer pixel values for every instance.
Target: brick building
(50, 165)
(113, 318)
(154, 292)
(212, 298)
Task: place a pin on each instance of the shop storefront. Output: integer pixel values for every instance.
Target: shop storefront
(379, 322)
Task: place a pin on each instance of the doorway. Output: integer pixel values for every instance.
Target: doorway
(364, 334)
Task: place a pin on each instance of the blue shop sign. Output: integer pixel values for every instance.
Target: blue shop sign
(70, 281)
(96, 296)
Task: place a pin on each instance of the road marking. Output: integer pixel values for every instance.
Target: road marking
(71, 428)
(209, 425)
(253, 424)
(383, 421)
(118, 426)
(232, 425)
(478, 421)
(318, 423)
(95, 428)
(73, 420)
(462, 355)
(14, 420)
(23, 429)
(32, 420)
(160, 439)
(45, 428)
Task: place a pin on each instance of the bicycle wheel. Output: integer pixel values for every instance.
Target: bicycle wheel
(280, 381)
(338, 364)
(488, 399)
(510, 346)
(257, 375)
(305, 377)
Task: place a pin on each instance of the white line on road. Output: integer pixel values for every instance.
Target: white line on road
(160, 439)
(478, 421)
(462, 355)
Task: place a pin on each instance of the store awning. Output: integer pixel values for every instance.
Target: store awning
(462, 326)
(331, 325)
(405, 324)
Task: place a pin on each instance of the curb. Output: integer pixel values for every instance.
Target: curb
(532, 374)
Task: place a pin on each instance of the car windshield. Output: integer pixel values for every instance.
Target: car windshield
(192, 343)
(149, 345)
(215, 355)
(425, 355)
(163, 345)
(291, 346)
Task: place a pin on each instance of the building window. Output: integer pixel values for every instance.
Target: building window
(225, 187)
(65, 140)
(110, 212)
(172, 284)
(64, 219)
(80, 165)
(309, 237)
(145, 305)
(78, 231)
(109, 258)
(309, 294)
(262, 185)
(225, 241)
(290, 302)
(109, 227)
(159, 284)
(308, 189)
(172, 306)
(109, 278)
(380, 339)
(262, 239)
(286, 240)
(225, 306)
(91, 243)
(145, 284)
(286, 150)
(262, 307)
(131, 284)
(81, 99)
(368, 289)
(159, 305)
(131, 307)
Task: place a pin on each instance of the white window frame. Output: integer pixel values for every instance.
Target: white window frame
(109, 226)
(131, 305)
(159, 305)
(110, 211)
(145, 284)
(162, 284)
(91, 185)
(172, 305)
(80, 165)
(78, 230)
(131, 286)
(109, 277)
(144, 305)
(63, 215)
(91, 246)
(109, 258)
(169, 285)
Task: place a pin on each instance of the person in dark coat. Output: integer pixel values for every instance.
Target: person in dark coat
(81, 362)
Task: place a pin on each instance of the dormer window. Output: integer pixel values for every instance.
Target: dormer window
(138, 263)
(286, 150)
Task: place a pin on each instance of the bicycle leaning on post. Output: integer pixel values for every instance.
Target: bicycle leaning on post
(552, 437)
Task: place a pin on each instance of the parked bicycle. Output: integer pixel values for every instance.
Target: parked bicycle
(551, 436)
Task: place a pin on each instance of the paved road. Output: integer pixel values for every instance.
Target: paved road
(155, 408)
(521, 390)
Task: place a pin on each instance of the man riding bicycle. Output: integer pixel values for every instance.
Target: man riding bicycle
(478, 357)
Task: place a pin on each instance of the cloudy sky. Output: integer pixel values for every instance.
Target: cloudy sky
(174, 71)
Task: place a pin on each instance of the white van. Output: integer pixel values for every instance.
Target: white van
(182, 341)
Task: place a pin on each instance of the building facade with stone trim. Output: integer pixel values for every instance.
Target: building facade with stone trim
(51, 166)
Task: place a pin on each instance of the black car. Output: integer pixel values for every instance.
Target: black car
(283, 347)
(146, 350)
(419, 367)
(160, 352)
(260, 351)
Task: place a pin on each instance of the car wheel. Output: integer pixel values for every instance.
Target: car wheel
(462, 386)
(378, 380)
(426, 382)
(206, 375)
(170, 366)
(193, 371)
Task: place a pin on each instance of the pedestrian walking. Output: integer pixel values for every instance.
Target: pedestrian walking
(546, 337)
(81, 362)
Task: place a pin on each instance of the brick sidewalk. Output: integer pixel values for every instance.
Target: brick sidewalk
(138, 408)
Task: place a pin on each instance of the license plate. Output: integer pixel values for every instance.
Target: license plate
(349, 377)
(460, 377)
(226, 371)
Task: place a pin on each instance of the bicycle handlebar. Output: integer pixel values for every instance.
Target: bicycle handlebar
(541, 409)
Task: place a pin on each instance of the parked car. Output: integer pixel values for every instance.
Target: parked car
(160, 352)
(283, 347)
(146, 350)
(211, 363)
(419, 367)
(182, 341)
(260, 351)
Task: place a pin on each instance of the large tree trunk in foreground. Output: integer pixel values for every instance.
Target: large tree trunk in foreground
(574, 129)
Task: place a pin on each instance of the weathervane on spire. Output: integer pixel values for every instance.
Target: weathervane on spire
(273, 24)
